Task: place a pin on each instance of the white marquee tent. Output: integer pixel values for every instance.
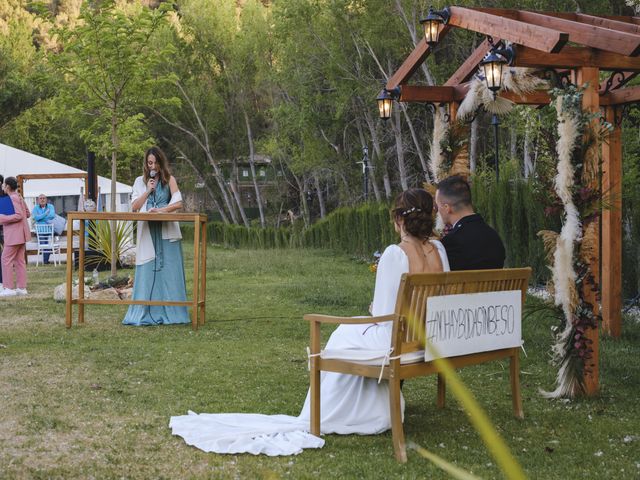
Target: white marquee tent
(14, 162)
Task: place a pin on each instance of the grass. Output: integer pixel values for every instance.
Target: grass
(94, 401)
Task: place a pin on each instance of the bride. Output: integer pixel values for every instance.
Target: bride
(349, 404)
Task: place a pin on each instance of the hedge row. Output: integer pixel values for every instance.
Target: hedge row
(511, 206)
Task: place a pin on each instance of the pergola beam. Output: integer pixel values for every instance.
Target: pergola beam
(416, 93)
(450, 94)
(622, 96)
(412, 62)
(534, 36)
(572, 57)
(599, 22)
(468, 68)
(456, 93)
(622, 18)
(607, 39)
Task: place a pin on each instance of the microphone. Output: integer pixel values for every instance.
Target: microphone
(152, 174)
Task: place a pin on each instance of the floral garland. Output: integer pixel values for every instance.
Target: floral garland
(573, 250)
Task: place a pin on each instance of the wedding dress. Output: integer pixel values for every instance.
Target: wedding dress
(348, 404)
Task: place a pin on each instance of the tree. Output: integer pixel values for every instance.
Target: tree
(110, 62)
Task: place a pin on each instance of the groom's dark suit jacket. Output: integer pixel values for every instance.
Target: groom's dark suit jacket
(473, 245)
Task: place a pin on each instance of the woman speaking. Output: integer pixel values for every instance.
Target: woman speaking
(159, 265)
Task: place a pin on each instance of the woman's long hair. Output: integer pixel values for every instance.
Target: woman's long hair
(162, 166)
(415, 208)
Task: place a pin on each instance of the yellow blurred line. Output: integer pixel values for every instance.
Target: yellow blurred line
(491, 438)
(451, 469)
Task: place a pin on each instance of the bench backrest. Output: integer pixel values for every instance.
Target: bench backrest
(415, 289)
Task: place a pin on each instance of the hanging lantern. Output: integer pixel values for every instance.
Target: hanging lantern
(385, 101)
(433, 25)
(492, 67)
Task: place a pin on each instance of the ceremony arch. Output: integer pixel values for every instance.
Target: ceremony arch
(598, 44)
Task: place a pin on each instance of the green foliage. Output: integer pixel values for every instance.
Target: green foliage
(631, 206)
(357, 231)
(99, 240)
(515, 208)
(111, 64)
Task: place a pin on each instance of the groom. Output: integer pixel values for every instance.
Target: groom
(471, 244)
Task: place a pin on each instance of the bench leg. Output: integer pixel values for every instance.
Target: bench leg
(315, 398)
(515, 383)
(397, 430)
(314, 378)
(442, 390)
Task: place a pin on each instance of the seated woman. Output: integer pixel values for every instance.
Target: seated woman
(159, 266)
(349, 404)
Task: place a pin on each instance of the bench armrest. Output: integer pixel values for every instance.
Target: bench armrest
(314, 317)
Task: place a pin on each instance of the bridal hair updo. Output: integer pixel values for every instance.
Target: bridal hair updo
(415, 208)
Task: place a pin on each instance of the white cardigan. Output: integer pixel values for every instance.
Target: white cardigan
(170, 230)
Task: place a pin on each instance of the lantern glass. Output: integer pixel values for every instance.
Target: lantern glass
(384, 106)
(493, 73)
(431, 30)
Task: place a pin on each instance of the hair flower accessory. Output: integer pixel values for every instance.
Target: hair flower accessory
(411, 210)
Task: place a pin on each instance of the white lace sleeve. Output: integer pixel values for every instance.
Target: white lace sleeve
(393, 263)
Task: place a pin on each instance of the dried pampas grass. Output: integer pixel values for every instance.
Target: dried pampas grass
(589, 246)
(517, 80)
(439, 133)
(521, 81)
(569, 380)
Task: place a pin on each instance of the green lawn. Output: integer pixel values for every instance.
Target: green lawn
(94, 401)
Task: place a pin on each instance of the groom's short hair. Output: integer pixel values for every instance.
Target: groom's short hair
(456, 190)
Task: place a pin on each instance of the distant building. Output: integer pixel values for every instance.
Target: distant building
(196, 197)
(266, 177)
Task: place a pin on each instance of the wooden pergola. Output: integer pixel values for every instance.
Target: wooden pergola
(566, 44)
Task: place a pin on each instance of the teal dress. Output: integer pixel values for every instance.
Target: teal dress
(161, 278)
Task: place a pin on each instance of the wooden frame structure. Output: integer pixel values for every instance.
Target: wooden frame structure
(411, 305)
(199, 265)
(49, 176)
(541, 41)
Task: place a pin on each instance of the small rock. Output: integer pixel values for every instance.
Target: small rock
(126, 293)
(60, 292)
(106, 294)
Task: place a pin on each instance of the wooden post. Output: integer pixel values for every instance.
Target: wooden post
(588, 77)
(69, 306)
(612, 227)
(81, 231)
(196, 272)
(203, 281)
